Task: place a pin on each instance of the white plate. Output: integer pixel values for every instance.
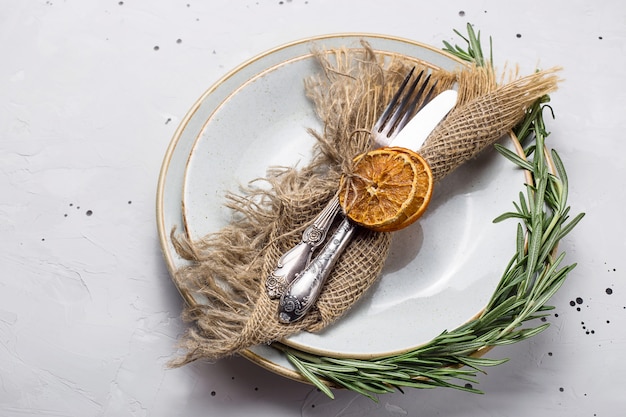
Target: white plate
(441, 271)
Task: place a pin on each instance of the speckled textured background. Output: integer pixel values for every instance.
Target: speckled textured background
(90, 96)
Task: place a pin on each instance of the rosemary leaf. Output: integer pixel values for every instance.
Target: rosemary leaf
(310, 375)
(476, 363)
(519, 243)
(562, 174)
(508, 215)
(362, 364)
(329, 367)
(351, 386)
(569, 226)
(513, 157)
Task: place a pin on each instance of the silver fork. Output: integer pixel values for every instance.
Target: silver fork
(403, 105)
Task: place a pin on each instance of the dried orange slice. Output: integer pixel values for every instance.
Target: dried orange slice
(388, 189)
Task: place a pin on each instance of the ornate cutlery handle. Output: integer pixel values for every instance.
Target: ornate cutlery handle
(297, 258)
(304, 290)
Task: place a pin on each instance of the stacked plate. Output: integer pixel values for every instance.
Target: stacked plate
(437, 276)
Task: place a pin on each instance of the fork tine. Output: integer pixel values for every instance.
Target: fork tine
(429, 96)
(413, 101)
(382, 120)
(389, 126)
(412, 110)
(402, 112)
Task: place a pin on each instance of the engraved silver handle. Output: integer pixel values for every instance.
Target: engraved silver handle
(297, 258)
(304, 290)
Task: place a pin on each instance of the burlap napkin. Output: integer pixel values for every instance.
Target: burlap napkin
(228, 268)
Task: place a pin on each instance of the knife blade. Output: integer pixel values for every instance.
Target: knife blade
(415, 133)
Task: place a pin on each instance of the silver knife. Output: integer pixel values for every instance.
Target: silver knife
(304, 290)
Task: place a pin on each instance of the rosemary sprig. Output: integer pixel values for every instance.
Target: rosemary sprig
(534, 273)
(474, 50)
